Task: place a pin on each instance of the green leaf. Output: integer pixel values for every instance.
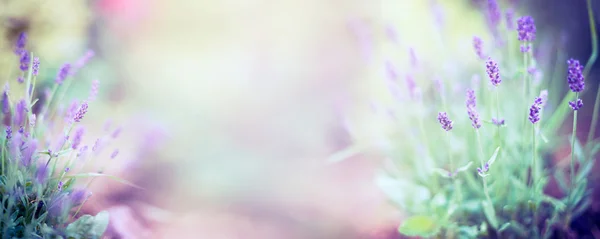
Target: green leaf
(558, 205)
(464, 168)
(422, 226)
(345, 153)
(468, 231)
(561, 179)
(494, 156)
(87, 175)
(442, 172)
(585, 170)
(578, 151)
(88, 227)
(504, 227)
(490, 214)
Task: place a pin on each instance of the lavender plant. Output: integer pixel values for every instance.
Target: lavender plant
(41, 156)
(505, 128)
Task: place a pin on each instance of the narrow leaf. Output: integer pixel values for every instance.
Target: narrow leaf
(442, 172)
(115, 178)
(494, 156)
(422, 226)
(464, 168)
(490, 214)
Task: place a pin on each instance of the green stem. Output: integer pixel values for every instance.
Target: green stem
(533, 159)
(485, 187)
(594, 122)
(498, 117)
(573, 138)
(588, 68)
(449, 151)
(592, 59)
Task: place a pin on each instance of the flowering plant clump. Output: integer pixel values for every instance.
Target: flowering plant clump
(41, 153)
(503, 126)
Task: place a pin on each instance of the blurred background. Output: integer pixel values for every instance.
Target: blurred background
(229, 109)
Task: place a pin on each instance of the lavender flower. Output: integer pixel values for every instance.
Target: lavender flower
(413, 57)
(77, 138)
(8, 132)
(471, 99)
(20, 79)
(575, 76)
(24, 61)
(77, 196)
(81, 112)
(494, 12)
(498, 122)
(42, 174)
(484, 169)
(81, 62)
(116, 133)
(526, 29)
(534, 111)
(114, 154)
(493, 72)
(36, 66)
(474, 117)
(20, 44)
(544, 97)
(444, 121)
(63, 73)
(60, 185)
(576, 104)
(510, 19)
(29, 152)
(94, 90)
(20, 111)
(478, 45)
(471, 109)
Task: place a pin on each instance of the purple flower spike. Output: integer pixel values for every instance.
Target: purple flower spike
(42, 174)
(77, 196)
(81, 112)
(510, 19)
(94, 90)
(20, 79)
(474, 117)
(81, 62)
(575, 76)
(29, 153)
(493, 72)
(498, 122)
(576, 105)
(444, 121)
(8, 132)
(526, 29)
(114, 154)
(22, 40)
(544, 97)
(471, 99)
(24, 61)
(494, 12)
(77, 138)
(36, 66)
(534, 111)
(478, 45)
(63, 73)
(20, 112)
(60, 185)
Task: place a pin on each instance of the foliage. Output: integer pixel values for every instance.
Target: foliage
(508, 128)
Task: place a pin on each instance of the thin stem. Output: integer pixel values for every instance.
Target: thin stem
(533, 159)
(485, 187)
(594, 56)
(573, 138)
(449, 155)
(498, 116)
(594, 122)
(588, 67)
